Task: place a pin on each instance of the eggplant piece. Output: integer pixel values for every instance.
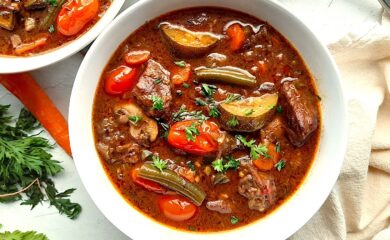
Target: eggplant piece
(7, 20)
(188, 43)
(35, 4)
(249, 114)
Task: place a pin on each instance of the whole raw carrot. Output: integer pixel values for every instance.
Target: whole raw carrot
(34, 98)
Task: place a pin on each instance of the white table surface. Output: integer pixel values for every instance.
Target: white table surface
(329, 19)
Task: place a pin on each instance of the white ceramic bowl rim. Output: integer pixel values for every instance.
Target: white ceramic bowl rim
(14, 64)
(289, 217)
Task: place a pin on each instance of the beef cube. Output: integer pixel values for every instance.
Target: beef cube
(301, 112)
(154, 83)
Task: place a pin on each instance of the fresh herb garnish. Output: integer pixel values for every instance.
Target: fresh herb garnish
(208, 90)
(52, 3)
(179, 93)
(277, 147)
(248, 111)
(213, 112)
(186, 85)
(18, 235)
(135, 119)
(279, 109)
(280, 165)
(200, 102)
(192, 131)
(232, 97)
(51, 29)
(191, 165)
(181, 63)
(157, 103)
(234, 220)
(223, 164)
(159, 163)
(157, 81)
(164, 126)
(233, 122)
(255, 150)
(183, 114)
(26, 166)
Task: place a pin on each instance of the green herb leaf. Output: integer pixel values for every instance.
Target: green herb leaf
(224, 164)
(234, 220)
(18, 235)
(233, 122)
(208, 90)
(157, 103)
(51, 29)
(255, 150)
(186, 85)
(159, 163)
(157, 81)
(232, 97)
(183, 114)
(135, 119)
(191, 165)
(52, 3)
(279, 109)
(280, 165)
(192, 131)
(179, 93)
(213, 112)
(181, 63)
(231, 163)
(277, 147)
(248, 111)
(218, 165)
(200, 102)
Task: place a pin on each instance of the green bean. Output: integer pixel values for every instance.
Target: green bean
(52, 14)
(171, 180)
(226, 75)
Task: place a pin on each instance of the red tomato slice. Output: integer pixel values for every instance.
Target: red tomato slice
(137, 57)
(205, 142)
(75, 14)
(121, 80)
(177, 208)
(149, 185)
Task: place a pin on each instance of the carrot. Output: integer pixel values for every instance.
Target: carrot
(181, 74)
(267, 163)
(237, 36)
(24, 87)
(137, 57)
(27, 47)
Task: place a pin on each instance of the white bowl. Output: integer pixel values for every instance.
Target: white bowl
(285, 220)
(15, 64)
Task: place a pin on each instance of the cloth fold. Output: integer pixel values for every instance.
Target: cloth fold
(359, 204)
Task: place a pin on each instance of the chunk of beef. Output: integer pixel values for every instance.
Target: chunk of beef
(221, 206)
(7, 19)
(147, 88)
(226, 144)
(301, 112)
(35, 4)
(273, 131)
(259, 189)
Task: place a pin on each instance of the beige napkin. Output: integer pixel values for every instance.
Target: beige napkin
(359, 204)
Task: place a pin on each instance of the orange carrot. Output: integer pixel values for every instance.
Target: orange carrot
(181, 74)
(26, 47)
(137, 57)
(237, 36)
(267, 163)
(24, 87)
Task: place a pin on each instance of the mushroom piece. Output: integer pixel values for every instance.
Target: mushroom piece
(143, 129)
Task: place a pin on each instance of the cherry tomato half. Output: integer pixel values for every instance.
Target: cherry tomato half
(177, 208)
(121, 80)
(75, 14)
(205, 142)
(149, 185)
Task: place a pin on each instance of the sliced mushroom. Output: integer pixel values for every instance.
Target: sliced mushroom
(145, 130)
(29, 24)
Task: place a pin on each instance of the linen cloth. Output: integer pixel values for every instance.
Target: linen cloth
(359, 205)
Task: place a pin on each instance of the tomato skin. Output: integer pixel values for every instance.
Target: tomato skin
(205, 142)
(120, 80)
(177, 208)
(75, 14)
(149, 185)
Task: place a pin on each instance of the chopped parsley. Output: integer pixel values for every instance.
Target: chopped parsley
(157, 103)
(183, 114)
(186, 85)
(135, 119)
(223, 164)
(192, 131)
(213, 112)
(234, 220)
(255, 150)
(232, 97)
(208, 90)
(191, 165)
(51, 29)
(200, 102)
(52, 3)
(233, 122)
(279, 109)
(248, 111)
(157, 81)
(277, 147)
(181, 64)
(159, 163)
(280, 165)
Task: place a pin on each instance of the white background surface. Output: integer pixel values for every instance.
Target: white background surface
(329, 19)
